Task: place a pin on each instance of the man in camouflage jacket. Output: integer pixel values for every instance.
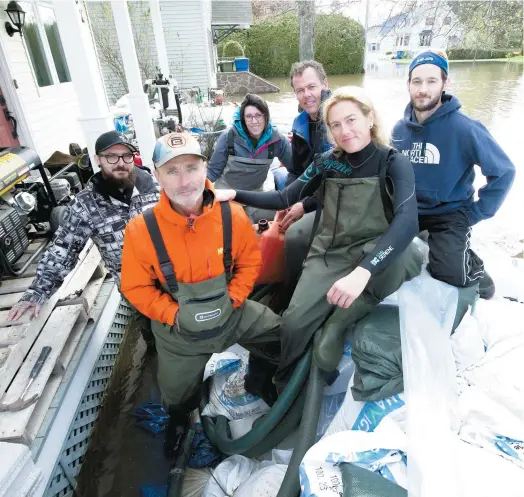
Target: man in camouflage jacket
(101, 211)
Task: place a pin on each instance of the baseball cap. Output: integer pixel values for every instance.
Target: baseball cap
(110, 138)
(435, 57)
(174, 145)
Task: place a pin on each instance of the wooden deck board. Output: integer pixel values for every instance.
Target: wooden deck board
(55, 334)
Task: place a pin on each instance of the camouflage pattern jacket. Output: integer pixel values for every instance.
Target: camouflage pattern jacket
(97, 214)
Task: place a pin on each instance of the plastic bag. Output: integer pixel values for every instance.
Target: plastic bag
(427, 311)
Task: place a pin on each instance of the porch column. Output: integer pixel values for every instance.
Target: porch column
(160, 42)
(95, 118)
(138, 100)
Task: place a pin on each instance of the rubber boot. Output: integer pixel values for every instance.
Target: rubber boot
(466, 298)
(486, 287)
(176, 429)
(328, 352)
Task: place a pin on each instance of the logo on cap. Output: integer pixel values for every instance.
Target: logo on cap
(175, 141)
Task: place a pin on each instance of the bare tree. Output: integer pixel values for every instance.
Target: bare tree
(262, 9)
(306, 19)
(106, 41)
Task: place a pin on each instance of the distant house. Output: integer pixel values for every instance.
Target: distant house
(425, 25)
(192, 29)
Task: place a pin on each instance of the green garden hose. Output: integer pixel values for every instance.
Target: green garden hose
(217, 433)
(308, 429)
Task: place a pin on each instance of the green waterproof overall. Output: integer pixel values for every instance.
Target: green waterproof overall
(244, 173)
(206, 323)
(353, 220)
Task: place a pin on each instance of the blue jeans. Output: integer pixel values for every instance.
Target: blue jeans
(280, 175)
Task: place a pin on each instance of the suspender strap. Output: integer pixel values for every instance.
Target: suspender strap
(271, 151)
(166, 266)
(228, 237)
(385, 194)
(230, 142)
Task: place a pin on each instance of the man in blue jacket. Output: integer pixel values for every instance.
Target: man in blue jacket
(310, 84)
(443, 145)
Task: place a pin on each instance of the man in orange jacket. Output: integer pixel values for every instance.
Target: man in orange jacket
(189, 265)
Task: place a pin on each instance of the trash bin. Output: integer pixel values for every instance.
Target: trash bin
(226, 66)
(400, 53)
(242, 64)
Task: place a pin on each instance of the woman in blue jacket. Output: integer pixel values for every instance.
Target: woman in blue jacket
(244, 153)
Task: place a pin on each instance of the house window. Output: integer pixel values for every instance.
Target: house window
(55, 43)
(35, 49)
(374, 47)
(406, 40)
(430, 21)
(425, 38)
(447, 21)
(44, 46)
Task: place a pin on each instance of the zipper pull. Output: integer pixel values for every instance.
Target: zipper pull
(191, 221)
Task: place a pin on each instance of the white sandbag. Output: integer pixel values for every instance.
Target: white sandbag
(229, 398)
(381, 451)
(265, 482)
(239, 427)
(229, 475)
(225, 362)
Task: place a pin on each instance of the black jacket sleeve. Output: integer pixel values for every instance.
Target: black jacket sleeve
(302, 188)
(404, 225)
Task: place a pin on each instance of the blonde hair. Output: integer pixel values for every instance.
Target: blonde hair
(359, 96)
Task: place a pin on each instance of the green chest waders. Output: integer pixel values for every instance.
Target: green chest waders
(356, 214)
(204, 309)
(206, 322)
(244, 173)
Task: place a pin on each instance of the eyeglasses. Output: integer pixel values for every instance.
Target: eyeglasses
(253, 117)
(114, 158)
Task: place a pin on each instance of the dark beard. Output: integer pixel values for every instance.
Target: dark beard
(429, 106)
(123, 183)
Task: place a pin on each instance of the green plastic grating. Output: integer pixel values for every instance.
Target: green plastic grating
(75, 447)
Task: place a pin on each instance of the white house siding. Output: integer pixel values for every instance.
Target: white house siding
(103, 27)
(226, 12)
(185, 25)
(51, 112)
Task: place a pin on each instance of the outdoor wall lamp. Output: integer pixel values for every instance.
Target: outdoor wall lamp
(16, 16)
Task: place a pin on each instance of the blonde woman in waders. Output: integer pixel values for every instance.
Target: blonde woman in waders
(361, 253)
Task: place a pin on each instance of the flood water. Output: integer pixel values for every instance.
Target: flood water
(124, 457)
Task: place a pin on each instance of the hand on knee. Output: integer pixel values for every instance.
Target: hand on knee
(347, 289)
